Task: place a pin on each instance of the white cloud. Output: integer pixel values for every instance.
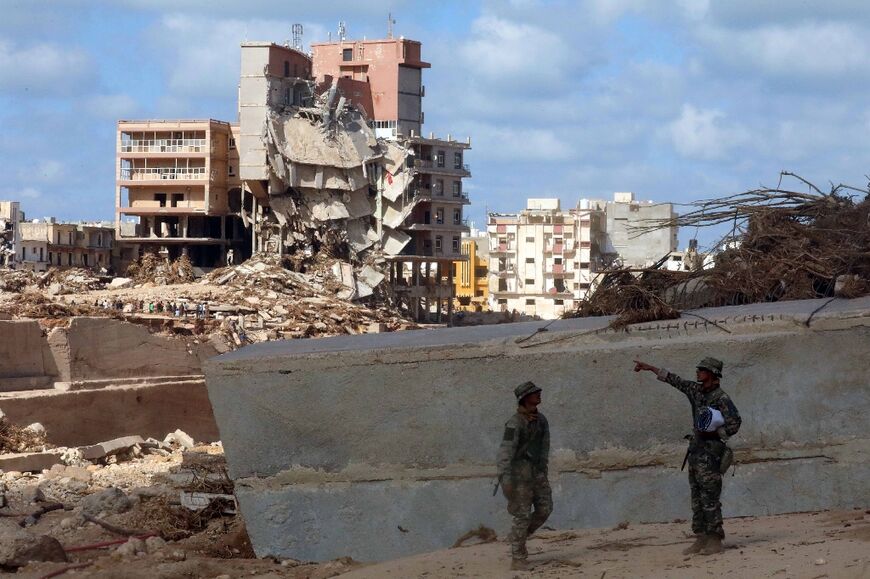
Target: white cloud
(44, 69)
(704, 134)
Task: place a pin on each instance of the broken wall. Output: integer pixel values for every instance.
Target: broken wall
(339, 446)
(25, 359)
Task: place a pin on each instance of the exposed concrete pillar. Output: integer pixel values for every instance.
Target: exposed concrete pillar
(253, 224)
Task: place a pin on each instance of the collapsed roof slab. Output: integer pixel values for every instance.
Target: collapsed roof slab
(616, 435)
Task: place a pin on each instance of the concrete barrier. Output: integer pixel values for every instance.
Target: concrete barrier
(25, 358)
(336, 443)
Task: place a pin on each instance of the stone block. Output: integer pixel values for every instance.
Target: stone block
(114, 446)
(29, 461)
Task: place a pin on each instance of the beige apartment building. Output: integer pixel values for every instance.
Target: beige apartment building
(10, 220)
(46, 244)
(544, 260)
(179, 181)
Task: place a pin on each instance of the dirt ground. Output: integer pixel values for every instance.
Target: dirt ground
(796, 546)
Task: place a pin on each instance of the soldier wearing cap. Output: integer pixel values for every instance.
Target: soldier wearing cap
(522, 470)
(708, 455)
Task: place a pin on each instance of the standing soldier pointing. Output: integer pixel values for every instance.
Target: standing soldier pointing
(522, 470)
(715, 419)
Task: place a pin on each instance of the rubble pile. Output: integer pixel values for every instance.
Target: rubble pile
(785, 245)
(12, 280)
(276, 302)
(32, 304)
(14, 438)
(69, 281)
(151, 268)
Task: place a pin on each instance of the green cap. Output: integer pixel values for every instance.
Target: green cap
(525, 389)
(711, 364)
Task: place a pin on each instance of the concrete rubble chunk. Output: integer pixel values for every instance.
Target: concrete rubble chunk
(18, 547)
(29, 461)
(180, 438)
(121, 283)
(110, 447)
(111, 500)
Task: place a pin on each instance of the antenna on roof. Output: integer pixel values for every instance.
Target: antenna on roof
(297, 36)
(342, 31)
(390, 23)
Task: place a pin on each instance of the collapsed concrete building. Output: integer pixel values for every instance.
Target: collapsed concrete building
(329, 158)
(10, 219)
(410, 465)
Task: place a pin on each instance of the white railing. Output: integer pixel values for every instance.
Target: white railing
(144, 174)
(164, 146)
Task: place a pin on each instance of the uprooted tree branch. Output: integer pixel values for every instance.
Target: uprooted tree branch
(784, 245)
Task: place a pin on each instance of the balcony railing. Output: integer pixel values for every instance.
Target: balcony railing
(150, 173)
(164, 146)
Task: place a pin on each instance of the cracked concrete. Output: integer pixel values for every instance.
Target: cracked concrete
(334, 443)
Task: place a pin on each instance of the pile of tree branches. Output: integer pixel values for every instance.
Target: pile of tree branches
(784, 244)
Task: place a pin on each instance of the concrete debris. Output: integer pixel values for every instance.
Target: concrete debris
(29, 461)
(160, 271)
(14, 438)
(180, 438)
(110, 500)
(199, 501)
(18, 547)
(110, 447)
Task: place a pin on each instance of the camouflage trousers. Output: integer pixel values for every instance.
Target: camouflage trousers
(529, 492)
(706, 484)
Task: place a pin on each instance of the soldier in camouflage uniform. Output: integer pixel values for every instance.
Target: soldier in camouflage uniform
(706, 450)
(522, 470)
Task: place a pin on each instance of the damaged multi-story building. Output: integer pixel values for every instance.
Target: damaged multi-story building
(47, 243)
(329, 157)
(10, 219)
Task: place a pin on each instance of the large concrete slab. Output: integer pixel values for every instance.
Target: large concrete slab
(335, 443)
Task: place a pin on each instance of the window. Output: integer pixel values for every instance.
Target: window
(439, 187)
(530, 302)
(457, 160)
(455, 245)
(287, 96)
(232, 143)
(231, 171)
(502, 301)
(70, 235)
(287, 67)
(584, 265)
(85, 259)
(69, 259)
(177, 199)
(457, 216)
(439, 215)
(530, 260)
(50, 258)
(584, 286)
(559, 302)
(100, 239)
(530, 281)
(439, 242)
(480, 272)
(347, 54)
(530, 239)
(160, 198)
(440, 158)
(457, 188)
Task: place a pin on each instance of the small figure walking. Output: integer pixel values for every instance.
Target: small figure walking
(715, 419)
(522, 471)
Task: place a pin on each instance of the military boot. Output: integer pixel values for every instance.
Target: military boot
(712, 546)
(700, 541)
(519, 565)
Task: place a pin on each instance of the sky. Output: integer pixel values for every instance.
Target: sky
(675, 100)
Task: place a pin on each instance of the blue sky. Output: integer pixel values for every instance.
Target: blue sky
(675, 100)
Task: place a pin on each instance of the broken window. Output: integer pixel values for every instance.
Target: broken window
(347, 54)
(440, 158)
(177, 199)
(457, 160)
(160, 198)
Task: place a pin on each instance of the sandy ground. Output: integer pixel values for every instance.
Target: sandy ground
(806, 545)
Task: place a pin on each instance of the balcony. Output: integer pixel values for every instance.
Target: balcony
(558, 270)
(502, 248)
(164, 146)
(160, 173)
(428, 166)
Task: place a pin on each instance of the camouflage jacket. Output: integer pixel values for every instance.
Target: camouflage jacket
(526, 438)
(715, 398)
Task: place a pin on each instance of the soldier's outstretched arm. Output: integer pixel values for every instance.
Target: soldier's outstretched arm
(684, 386)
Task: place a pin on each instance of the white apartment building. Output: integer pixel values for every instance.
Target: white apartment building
(543, 260)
